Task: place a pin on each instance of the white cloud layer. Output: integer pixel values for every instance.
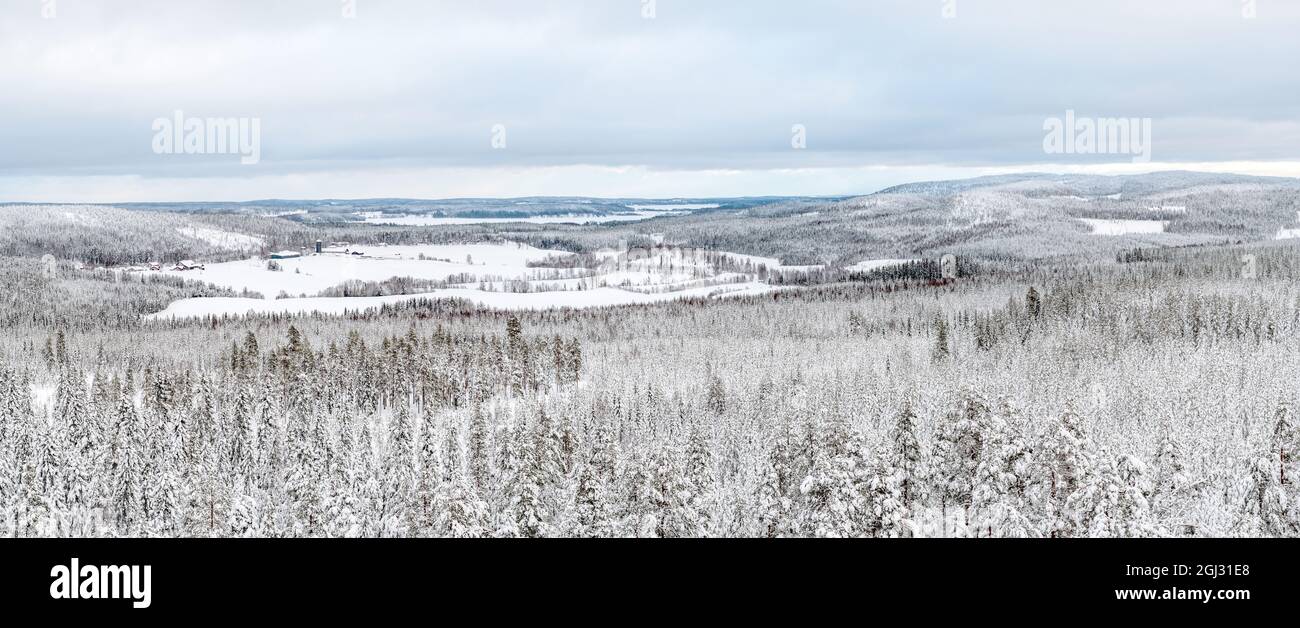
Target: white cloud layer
(596, 100)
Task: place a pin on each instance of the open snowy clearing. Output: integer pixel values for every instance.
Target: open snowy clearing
(226, 239)
(311, 274)
(1123, 227)
(770, 263)
(676, 207)
(596, 297)
(575, 219)
(1287, 234)
(876, 264)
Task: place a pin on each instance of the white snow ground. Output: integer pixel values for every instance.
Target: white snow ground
(311, 274)
(1123, 227)
(876, 264)
(596, 297)
(641, 212)
(226, 239)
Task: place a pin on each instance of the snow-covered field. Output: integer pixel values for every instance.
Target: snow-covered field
(486, 274)
(311, 274)
(596, 297)
(577, 219)
(675, 207)
(771, 263)
(1123, 227)
(1287, 234)
(876, 264)
(227, 239)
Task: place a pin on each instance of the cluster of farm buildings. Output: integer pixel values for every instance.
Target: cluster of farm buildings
(335, 248)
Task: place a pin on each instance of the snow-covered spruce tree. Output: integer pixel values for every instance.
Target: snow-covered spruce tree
(1068, 459)
(1170, 483)
(523, 509)
(833, 493)
(480, 452)
(775, 501)
(549, 450)
(594, 513)
(398, 477)
(595, 498)
(700, 483)
(772, 507)
(85, 447)
(163, 469)
(1273, 500)
(126, 494)
(270, 439)
(668, 494)
(889, 515)
(306, 476)
(428, 478)
(341, 501)
(10, 467)
(574, 350)
(241, 450)
(1135, 515)
(905, 457)
(459, 510)
(244, 520)
(1110, 501)
(716, 395)
(636, 496)
(1033, 304)
(367, 485)
(958, 448)
(999, 500)
(941, 347)
(48, 488)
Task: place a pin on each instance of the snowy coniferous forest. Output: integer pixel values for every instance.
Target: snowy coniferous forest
(1149, 391)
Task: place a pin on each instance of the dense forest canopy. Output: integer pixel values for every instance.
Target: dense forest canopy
(1127, 386)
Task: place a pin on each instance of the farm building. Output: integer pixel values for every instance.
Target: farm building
(285, 255)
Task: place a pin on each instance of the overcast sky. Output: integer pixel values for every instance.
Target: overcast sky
(595, 99)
